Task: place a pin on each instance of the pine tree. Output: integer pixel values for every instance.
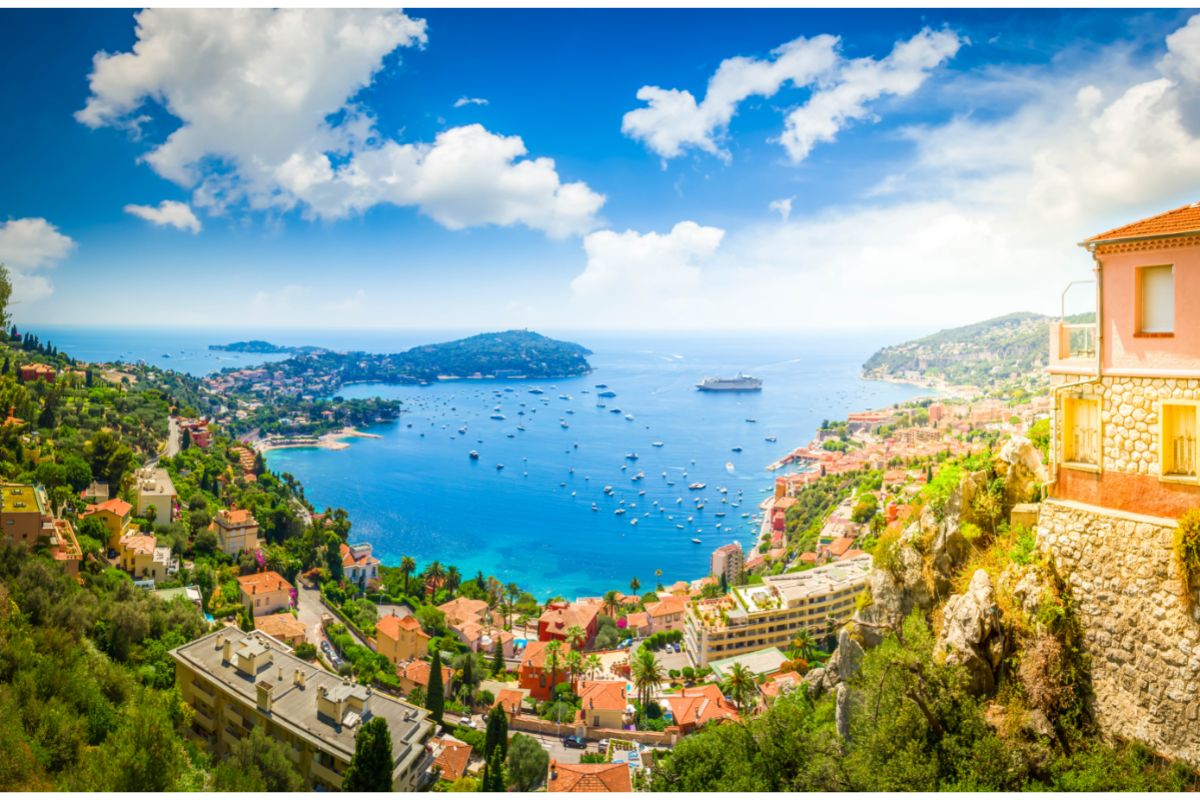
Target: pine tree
(370, 769)
(498, 665)
(497, 733)
(435, 695)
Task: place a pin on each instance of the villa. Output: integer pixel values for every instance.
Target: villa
(359, 566)
(265, 593)
(416, 673)
(282, 626)
(603, 703)
(560, 616)
(142, 557)
(533, 675)
(770, 614)
(462, 610)
(451, 757)
(236, 681)
(236, 530)
(589, 778)
(400, 639)
(115, 514)
(668, 613)
(697, 706)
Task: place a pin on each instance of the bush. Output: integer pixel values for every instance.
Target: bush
(306, 650)
(1187, 552)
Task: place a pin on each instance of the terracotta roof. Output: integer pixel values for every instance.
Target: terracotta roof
(535, 654)
(852, 553)
(639, 620)
(263, 582)
(1177, 221)
(453, 757)
(559, 620)
(509, 699)
(418, 673)
(602, 695)
(282, 626)
(668, 606)
(780, 683)
(350, 560)
(589, 778)
(139, 543)
(700, 704)
(839, 546)
(391, 625)
(114, 506)
(463, 609)
(232, 517)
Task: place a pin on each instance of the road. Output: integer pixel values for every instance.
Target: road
(174, 439)
(309, 611)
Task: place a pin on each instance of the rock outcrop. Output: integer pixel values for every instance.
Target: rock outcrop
(973, 634)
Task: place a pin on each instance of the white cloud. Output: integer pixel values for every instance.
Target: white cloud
(168, 212)
(672, 120)
(266, 105)
(782, 207)
(28, 245)
(858, 82)
(470, 101)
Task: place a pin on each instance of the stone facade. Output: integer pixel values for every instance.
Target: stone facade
(1143, 642)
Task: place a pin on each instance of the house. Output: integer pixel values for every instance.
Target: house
(236, 530)
(155, 490)
(96, 492)
(358, 565)
(602, 703)
(141, 556)
(589, 778)
(760, 663)
(234, 681)
(416, 673)
(668, 613)
(282, 626)
(115, 515)
(400, 639)
(451, 757)
(779, 684)
(485, 638)
(560, 616)
(697, 706)
(638, 624)
(37, 372)
(510, 700)
(461, 610)
(533, 674)
(265, 593)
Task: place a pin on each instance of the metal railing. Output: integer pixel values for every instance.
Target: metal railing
(1183, 455)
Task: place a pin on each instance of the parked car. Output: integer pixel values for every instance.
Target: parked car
(626, 643)
(574, 742)
(466, 722)
(602, 745)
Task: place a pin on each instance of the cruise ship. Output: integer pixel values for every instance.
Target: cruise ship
(742, 383)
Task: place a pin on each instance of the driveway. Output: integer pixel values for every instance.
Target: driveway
(554, 746)
(309, 611)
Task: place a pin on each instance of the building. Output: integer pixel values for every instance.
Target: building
(770, 614)
(236, 530)
(696, 706)
(533, 674)
(779, 684)
(265, 593)
(760, 663)
(451, 757)
(155, 490)
(462, 610)
(485, 638)
(602, 703)
(560, 616)
(282, 626)
(358, 565)
(27, 523)
(730, 561)
(588, 778)
(37, 372)
(1127, 391)
(141, 556)
(668, 613)
(235, 681)
(115, 514)
(416, 673)
(510, 700)
(400, 639)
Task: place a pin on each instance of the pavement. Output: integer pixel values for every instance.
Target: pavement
(554, 746)
(309, 611)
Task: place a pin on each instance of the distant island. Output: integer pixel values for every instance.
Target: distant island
(513, 354)
(258, 346)
(1001, 352)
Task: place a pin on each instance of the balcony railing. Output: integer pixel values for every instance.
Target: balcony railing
(1072, 344)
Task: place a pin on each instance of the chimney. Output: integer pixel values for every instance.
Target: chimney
(226, 650)
(298, 678)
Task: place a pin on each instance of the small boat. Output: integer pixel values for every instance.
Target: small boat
(631, 456)
(736, 449)
(563, 424)
(595, 507)
(729, 466)
(499, 417)
(608, 490)
(699, 506)
(679, 527)
(601, 385)
(607, 394)
(521, 428)
(474, 454)
(657, 444)
(695, 541)
(633, 521)
(771, 439)
(720, 514)
(499, 467)
(638, 477)
(695, 487)
(536, 391)
(614, 411)
(601, 405)
(751, 420)
(619, 512)
(512, 435)
(563, 397)
(629, 417)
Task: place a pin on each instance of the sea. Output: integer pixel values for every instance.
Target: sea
(572, 494)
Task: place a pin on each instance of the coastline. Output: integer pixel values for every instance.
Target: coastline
(334, 440)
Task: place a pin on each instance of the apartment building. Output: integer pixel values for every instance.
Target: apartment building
(237, 681)
(770, 614)
(26, 522)
(730, 561)
(155, 489)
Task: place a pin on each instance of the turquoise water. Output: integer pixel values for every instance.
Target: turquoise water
(415, 491)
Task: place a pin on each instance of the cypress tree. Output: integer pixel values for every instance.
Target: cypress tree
(493, 774)
(435, 695)
(498, 666)
(370, 769)
(497, 733)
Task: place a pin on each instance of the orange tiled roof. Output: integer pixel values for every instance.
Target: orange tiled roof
(418, 672)
(559, 620)
(263, 582)
(463, 609)
(236, 516)
(602, 695)
(350, 560)
(535, 654)
(1177, 221)
(509, 699)
(589, 778)
(701, 704)
(282, 626)
(668, 606)
(139, 543)
(114, 506)
(839, 546)
(391, 625)
(454, 757)
(780, 683)
(638, 620)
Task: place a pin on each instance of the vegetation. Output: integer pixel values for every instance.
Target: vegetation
(370, 769)
(1187, 552)
(527, 763)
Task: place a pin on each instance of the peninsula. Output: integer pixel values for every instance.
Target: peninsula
(258, 346)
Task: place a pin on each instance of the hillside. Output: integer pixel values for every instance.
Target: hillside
(985, 354)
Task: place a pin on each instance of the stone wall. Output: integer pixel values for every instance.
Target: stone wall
(1144, 643)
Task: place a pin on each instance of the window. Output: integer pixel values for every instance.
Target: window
(1081, 430)
(1177, 445)
(1156, 300)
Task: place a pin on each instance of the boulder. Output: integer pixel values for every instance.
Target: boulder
(1019, 462)
(842, 711)
(972, 634)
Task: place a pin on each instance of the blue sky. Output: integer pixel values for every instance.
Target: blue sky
(307, 169)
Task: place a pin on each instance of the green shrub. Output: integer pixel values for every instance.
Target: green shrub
(1187, 551)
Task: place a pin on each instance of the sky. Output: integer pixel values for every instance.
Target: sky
(775, 170)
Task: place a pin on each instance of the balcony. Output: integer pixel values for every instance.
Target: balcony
(1073, 347)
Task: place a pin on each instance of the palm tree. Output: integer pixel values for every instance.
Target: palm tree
(635, 584)
(576, 636)
(739, 684)
(658, 578)
(514, 593)
(407, 565)
(574, 662)
(553, 653)
(592, 665)
(434, 574)
(647, 674)
(453, 579)
(803, 643)
(611, 599)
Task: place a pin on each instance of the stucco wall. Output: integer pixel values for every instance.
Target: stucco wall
(1144, 643)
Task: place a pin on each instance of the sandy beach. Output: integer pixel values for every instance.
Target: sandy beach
(334, 440)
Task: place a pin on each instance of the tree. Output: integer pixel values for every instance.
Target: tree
(739, 684)
(576, 636)
(370, 769)
(498, 665)
(435, 694)
(407, 565)
(803, 644)
(527, 763)
(497, 732)
(646, 672)
(553, 655)
(593, 665)
(257, 763)
(493, 774)
(634, 584)
(611, 599)
(333, 556)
